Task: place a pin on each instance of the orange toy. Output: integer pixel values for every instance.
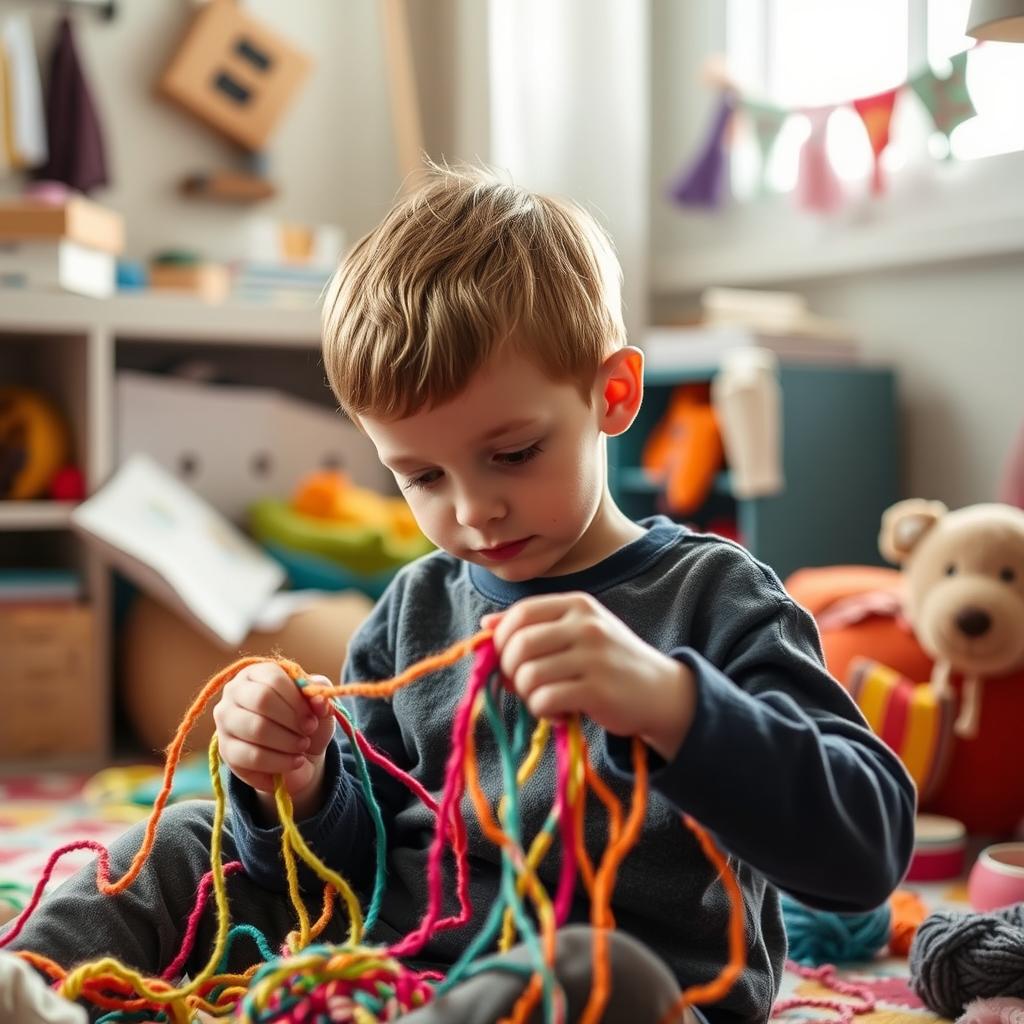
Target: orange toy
(685, 448)
(983, 785)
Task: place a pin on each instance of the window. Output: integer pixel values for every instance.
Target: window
(805, 53)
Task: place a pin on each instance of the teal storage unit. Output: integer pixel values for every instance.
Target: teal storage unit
(840, 449)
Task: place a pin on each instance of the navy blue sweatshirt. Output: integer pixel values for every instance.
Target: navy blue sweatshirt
(778, 763)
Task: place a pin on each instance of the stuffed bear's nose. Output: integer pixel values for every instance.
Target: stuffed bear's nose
(973, 621)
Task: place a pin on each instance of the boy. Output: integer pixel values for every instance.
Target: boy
(476, 337)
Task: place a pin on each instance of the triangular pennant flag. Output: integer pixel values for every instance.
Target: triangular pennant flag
(876, 113)
(767, 121)
(703, 183)
(817, 187)
(946, 99)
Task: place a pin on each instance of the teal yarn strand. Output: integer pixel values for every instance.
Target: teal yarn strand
(381, 850)
(819, 937)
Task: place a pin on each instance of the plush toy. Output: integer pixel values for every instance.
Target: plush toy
(964, 574)
(904, 622)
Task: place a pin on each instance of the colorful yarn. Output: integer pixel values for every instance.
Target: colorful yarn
(356, 984)
(908, 911)
(825, 975)
(958, 957)
(819, 937)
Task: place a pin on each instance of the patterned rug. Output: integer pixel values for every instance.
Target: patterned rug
(40, 814)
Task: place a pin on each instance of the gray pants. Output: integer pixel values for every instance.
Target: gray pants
(143, 927)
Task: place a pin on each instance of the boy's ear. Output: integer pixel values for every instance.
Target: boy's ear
(619, 389)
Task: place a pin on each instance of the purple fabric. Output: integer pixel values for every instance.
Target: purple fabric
(703, 183)
(77, 154)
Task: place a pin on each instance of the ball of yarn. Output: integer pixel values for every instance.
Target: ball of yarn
(908, 911)
(820, 937)
(957, 957)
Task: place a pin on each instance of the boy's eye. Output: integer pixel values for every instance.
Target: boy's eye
(424, 479)
(520, 457)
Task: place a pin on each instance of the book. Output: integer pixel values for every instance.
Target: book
(39, 586)
(683, 348)
(179, 549)
(58, 265)
(78, 220)
(772, 312)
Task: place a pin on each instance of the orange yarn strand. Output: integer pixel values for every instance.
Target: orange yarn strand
(601, 915)
(720, 986)
(387, 689)
(208, 692)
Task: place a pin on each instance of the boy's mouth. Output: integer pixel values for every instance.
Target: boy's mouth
(503, 552)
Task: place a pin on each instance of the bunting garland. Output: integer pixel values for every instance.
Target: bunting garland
(946, 99)
(703, 181)
(817, 184)
(876, 113)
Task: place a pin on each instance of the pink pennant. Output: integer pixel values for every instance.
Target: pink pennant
(817, 187)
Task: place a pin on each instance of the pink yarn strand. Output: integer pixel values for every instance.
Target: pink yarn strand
(102, 874)
(484, 664)
(174, 968)
(826, 975)
(566, 824)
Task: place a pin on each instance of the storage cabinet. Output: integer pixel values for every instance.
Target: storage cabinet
(70, 348)
(840, 453)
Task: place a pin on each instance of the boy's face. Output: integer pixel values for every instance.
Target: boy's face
(510, 474)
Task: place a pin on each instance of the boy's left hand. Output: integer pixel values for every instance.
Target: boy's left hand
(566, 654)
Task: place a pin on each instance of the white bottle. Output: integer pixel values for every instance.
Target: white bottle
(748, 404)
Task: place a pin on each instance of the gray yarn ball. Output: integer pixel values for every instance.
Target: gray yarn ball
(957, 957)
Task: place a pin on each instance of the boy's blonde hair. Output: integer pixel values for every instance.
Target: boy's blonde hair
(459, 268)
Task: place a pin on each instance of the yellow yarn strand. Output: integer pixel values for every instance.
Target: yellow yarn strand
(156, 990)
(542, 841)
(294, 843)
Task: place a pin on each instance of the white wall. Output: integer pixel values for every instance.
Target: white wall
(954, 331)
(333, 154)
(956, 337)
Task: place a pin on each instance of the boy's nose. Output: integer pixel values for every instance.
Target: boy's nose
(478, 509)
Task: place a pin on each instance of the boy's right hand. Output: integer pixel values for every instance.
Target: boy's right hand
(265, 727)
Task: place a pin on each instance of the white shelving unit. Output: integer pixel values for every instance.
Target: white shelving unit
(69, 348)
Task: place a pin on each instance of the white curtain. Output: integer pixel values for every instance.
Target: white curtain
(569, 114)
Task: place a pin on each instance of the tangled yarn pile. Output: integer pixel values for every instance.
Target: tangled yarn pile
(958, 957)
(358, 984)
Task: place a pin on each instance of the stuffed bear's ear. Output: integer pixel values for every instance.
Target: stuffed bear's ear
(904, 524)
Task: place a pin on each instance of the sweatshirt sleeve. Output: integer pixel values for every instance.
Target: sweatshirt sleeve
(781, 766)
(342, 833)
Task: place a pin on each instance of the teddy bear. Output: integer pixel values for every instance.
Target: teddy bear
(952, 617)
(964, 592)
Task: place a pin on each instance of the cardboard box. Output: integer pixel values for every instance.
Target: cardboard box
(233, 444)
(209, 281)
(54, 706)
(77, 220)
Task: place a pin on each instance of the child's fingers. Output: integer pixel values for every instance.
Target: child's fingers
(320, 706)
(259, 781)
(562, 667)
(279, 700)
(246, 725)
(534, 610)
(244, 756)
(539, 640)
(490, 620)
